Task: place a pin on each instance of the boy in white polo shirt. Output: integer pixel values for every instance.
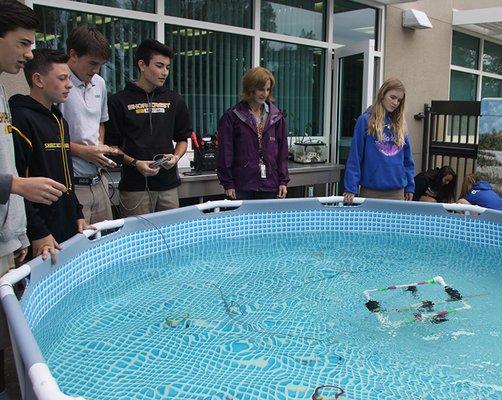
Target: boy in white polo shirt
(86, 111)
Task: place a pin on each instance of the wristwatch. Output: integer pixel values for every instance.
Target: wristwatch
(133, 162)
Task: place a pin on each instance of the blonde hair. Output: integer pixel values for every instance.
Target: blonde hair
(469, 181)
(256, 79)
(398, 124)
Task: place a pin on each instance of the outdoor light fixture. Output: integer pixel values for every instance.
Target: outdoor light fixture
(414, 19)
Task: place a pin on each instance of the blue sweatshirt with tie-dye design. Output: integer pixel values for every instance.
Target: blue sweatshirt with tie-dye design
(378, 165)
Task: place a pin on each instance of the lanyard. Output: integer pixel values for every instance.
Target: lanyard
(260, 125)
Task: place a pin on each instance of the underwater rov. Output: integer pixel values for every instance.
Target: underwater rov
(425, 311)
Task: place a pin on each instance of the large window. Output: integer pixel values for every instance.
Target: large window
(354, 23)
(215, 42)
(228, 12)
(136, 5)
(492, 58)
(207, 71)
(124, 36)
(299, 74)
(476, 68)
(491, 87)
(305, 19)
(463, 86)
(465, 50)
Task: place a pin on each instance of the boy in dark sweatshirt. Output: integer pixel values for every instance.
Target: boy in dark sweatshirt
(145, 119)
(42, 148)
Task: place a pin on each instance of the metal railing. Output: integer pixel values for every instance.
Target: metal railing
(451, 136)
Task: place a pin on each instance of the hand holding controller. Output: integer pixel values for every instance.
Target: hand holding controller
(162, 161)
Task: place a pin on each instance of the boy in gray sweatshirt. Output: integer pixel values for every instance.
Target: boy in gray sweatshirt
(17, 34)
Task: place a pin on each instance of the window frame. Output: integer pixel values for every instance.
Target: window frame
(479, 73)
(256, 34)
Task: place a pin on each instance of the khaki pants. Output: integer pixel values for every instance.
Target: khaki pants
(137, 203)
(382, 194)
(95, 201)
(6, 263)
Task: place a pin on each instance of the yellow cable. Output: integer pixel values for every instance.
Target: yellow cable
(63, 154)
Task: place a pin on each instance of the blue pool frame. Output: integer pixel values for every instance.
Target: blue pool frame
(83, 258)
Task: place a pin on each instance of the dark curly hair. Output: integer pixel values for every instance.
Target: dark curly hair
(446, 193)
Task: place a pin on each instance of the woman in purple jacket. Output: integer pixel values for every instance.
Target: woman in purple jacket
(252, 142)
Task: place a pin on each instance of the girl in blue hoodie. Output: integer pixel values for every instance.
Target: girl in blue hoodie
(380, 163)
(479, 193)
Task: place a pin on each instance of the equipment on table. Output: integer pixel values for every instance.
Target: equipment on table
(310, 151)
(205, 151)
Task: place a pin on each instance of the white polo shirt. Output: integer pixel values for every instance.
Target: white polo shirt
(85, 108)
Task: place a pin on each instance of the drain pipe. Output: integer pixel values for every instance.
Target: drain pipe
(44, 384)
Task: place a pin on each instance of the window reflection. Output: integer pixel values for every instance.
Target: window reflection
(299, 74)
(136, 5)
(207, 72)
(492, 58)
(123, 34)
(353, 23)
(465, 50)
(228, 12)
(491, 87)
(305, 19)
(463, 86)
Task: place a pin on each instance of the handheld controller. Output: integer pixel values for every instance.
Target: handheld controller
(159, 161)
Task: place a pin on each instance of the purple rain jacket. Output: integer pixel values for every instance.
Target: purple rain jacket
(238, 152)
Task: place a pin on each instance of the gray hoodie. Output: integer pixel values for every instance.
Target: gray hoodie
(12, 214)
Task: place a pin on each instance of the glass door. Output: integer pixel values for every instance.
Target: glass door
(354, 77)
(355, 80)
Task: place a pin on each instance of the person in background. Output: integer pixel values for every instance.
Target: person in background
(380, 163)
(252, 142)
(17, 34)
(145, 118)
(436, 185)
(86, 111)
(42, 148)
(479, 193)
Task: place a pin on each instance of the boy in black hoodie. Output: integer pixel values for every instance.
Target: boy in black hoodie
(145, 119)
(42, 148)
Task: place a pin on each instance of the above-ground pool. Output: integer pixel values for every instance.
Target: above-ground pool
(267, 301)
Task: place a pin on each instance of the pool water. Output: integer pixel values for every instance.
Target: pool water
(275, 317)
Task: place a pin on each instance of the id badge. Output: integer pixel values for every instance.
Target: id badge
(263, 171)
